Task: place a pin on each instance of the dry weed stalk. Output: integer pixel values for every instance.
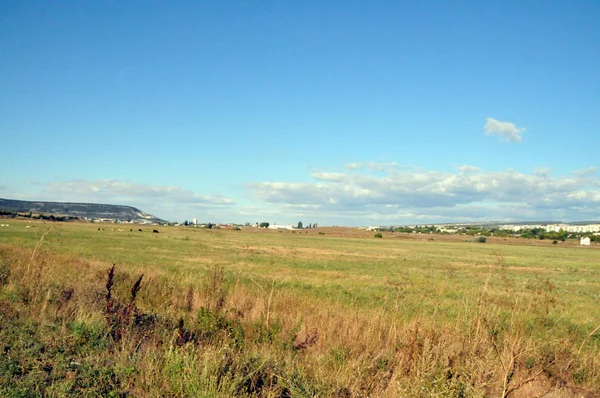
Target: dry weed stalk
(37, 247)
(117, 315)
(412, 357)
(189, 299)
(109, 284)
(480, 302)
(587, 338)
(269, 300)
(134, 291)
(215, 289)
(181, 335)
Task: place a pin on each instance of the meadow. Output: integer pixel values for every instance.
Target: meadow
(320, 312)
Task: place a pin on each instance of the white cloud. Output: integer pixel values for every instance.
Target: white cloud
(116, 190)
(506, 130)
(382, 166)
(466, 169)
(328, 176)
(467, 194)
(354, 166)
(585, 172)
(381, 193)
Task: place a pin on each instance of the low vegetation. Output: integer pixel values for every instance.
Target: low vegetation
(262, 313)
(498, 231)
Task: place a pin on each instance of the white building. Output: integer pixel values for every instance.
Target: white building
(514, 228)
(448, 230)
(194, 221)
(573, 228)
(280, 226)
(373, 228)
(555, 227)
(584, 241)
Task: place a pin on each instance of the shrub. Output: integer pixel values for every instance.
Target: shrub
(378, 235)
(481, 239)
(554, 242)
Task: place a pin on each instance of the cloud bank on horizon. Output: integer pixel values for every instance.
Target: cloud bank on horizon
(406, 195)
(116, 190)
(365, 192)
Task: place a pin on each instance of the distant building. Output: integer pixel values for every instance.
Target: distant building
(448, 230)
(280, 226)
(194, 221)
(584, 241)
(585, 228)
(573, 228)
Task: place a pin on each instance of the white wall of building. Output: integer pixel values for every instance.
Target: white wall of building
(584, 241)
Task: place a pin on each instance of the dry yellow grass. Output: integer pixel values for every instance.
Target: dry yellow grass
(317, 317)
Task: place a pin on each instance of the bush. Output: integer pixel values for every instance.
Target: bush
(554, 242)
(481, 239)
(378, 235)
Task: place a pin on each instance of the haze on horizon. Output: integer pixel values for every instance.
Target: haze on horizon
(336, 112)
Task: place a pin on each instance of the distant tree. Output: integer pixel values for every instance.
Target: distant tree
(309, 225)
(299, 224)
(264, 225)
(185, 223)
(209, 225)
(562, 235)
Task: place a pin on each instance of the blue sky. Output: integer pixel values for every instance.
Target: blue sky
(334, 112)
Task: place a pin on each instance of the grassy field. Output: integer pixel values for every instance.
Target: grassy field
(321, 312)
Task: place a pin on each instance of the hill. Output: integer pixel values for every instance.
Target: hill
(80, 210)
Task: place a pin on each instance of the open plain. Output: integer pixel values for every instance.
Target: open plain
(314, 312)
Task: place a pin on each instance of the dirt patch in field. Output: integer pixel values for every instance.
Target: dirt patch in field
(510, 267)
(316, 252)
(316, 277)
(199, 260)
